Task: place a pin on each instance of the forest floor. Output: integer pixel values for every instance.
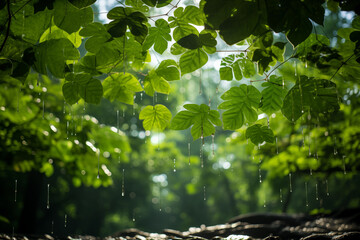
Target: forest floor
(340, 225)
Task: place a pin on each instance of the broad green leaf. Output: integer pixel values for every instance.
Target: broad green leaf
(191, 41)
(169, 70)
(183, 29)
(190, 14)
(273, 95)
(155, 118)
(200, 117)
(56, 33)
(155, 83)
(192, 60)
(158, 36)
(121, 87)
(84, 86)
(52, 54)
(125, 17)
(176, 49)
(70, 18)
(313, 39)
(157, 3)
(29, 27)
(237, 64)
(239, 105)
(259, 134)
(319, 96)
(137, 5)
(98, 36)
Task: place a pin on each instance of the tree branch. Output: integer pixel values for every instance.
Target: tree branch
(8, 28)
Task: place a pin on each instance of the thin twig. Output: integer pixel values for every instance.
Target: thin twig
(234, 50)
(272, 70)
(166, 14)
(8, 27)
(342, 64)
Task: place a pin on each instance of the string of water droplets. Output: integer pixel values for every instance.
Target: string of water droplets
(48, 197)
(98, 170)
(123, 183)
(15, 192)
(306, 194)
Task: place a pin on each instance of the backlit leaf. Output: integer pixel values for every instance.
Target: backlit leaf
(259, 134)
(192, 60)
(155, 118)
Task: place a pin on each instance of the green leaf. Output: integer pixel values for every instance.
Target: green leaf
(169, 70)
(56, 33)
(237, 64)
(125, 17)
(137, 5)
(239, 105)
(319, 96)
(183, 29)
(84, 86)
(121, 87)
(155, 83)
(259, 134)
(29, 27)
(273, 95)
(52, 54)
(192, 60)
(157, 3)
(200, 117)
(190, 14)
(158, 36)
(155, 118)
(226, 73)
(70, 18)
(191, 41)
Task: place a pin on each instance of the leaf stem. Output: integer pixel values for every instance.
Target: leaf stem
(342, 64)
(167, 13)
(8, 27)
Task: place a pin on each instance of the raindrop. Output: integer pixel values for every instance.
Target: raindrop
(141, 96)
(48, 197)
(310, 171)
(43, 107)
(335, 149)
(306, 194)
(204, 193)
(309, 140)
(260, 180)
(98, 173)
(283, 83)
(189, 151)
(202, 150)
(117, 121)
(52, 227)
(303, 137)
(15, 190)
(64, 107)
(265, 203)
(344, 167)
(268, 121)
(65, 220)
(306, 64)
(133, 216)
(167, 97)
(281, 196)
(159, 197)
(316, 192)
(134, 110)
(290, 183)
(123, 184)
(174, 165)
(327, 188)
(277, 147)
(213, 144)
(67, 129)
(123, 112)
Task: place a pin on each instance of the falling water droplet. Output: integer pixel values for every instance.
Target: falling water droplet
(189, 152)
(306, 194)
(52, 227)
(264, 202)
(48, 197)
(67, 129)
(290, 183)
(335, 149)
(303, 137)
(117, 121)
(310, 171)
(64, 107)
(134, 110)
(316, 192)
(268, 121)
(283, 83)
(281, 196)
(306, 64)
(327, 188)
(260, 180)
(167, 97)
(43, 107)
(174, 165)
(123, 112)
(65, 220)
(309, 138)
(133, 216)
(15, 190)
(277, 147)
(141, 96)
(204, 193)
(159, 197)
(344, 167)
(123, 184)
(213, 144)
(98, 173)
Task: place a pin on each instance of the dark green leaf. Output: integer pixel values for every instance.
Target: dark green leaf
(82, 3)
(318, 96)
(157, 3)
(259, 134)
(272, 95)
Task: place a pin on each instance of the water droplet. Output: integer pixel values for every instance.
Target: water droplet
(174, 165)
(189, 152)
(15, 190)
(268, 121)
(344, 166)
(290, 183)
(123, 184)
(98, 173)
(133, 216)
(306, 194)
(283, 83)
(52, 227)
(65, 220)
(310, 171)
(281, 196)
(64, 107)
(48, 197)
(277, 147)
(67, 129)
(141, 96)
(204, 193)
(213, 144)
(117, 121)
(260, 180)
(335, 148)
(327, 188)
(316, 192)
(309, 140)
(264, 203)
